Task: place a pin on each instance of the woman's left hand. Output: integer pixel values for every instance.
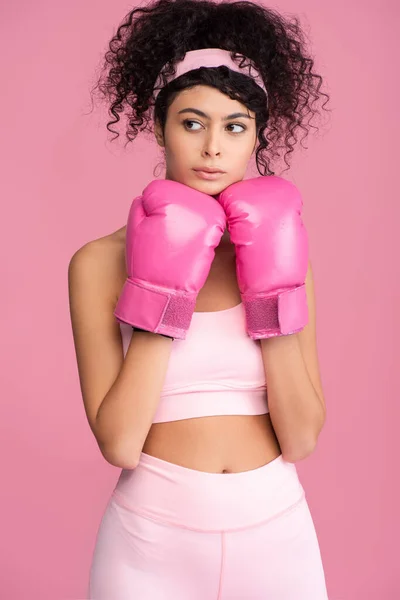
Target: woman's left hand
(271, 242)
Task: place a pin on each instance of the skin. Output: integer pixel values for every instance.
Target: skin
(202, 141)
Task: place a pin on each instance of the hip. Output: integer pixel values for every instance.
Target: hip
(203, 501)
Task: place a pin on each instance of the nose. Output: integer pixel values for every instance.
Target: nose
(212, 145)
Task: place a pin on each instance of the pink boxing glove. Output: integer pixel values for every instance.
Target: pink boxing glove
(265, 225)
(171, 236)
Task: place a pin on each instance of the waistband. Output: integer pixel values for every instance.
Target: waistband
(208, 502)
(189, 404)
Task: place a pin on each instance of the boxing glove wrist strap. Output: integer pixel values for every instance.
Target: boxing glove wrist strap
(158, 310)
(279, 313)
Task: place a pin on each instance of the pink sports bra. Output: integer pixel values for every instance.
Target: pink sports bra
(217, 370)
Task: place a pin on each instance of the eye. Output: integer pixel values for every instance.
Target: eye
(187, 121)
(237, 125)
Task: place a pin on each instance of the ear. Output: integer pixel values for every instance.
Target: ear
(255, 144)
(158, 134)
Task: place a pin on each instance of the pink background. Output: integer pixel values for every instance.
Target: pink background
(64, 184)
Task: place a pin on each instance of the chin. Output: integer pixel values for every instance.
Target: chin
(215, 189)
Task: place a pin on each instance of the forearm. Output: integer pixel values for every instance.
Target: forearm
(127, 411)
(296, 411)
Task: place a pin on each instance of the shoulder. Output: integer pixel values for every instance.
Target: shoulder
(100, 262)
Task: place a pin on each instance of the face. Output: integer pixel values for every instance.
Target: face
(202, 131)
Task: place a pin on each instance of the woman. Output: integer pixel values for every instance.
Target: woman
(194, 324)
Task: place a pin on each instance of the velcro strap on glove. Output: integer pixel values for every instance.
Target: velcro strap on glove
(153, 309)
(281, 313)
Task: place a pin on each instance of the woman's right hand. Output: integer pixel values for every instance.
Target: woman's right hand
(171, 236)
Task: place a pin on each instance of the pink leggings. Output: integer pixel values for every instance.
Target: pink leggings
(173, 533)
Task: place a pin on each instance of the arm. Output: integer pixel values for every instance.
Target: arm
(274, 274)
(120, 396)
(171, 236)
(127, 411)
(295, 396)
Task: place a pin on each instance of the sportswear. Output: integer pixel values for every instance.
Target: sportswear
(209, 58)
(265, 225)
(216, 370)
(171, 236)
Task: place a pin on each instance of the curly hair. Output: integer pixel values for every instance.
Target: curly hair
(152, 38)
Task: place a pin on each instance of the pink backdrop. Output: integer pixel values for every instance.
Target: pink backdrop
(64, 184)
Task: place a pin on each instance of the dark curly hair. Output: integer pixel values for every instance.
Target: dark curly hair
(161, 32)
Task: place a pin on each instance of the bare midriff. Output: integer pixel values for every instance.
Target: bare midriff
(217, 444)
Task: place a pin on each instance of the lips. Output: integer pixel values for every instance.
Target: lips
(210, 175)
(210, 170)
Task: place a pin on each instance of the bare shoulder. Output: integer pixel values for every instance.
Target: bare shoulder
(102, 261)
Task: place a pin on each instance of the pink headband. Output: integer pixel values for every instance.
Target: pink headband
(208, 57)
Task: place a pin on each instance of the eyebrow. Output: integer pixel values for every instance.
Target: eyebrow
(203, 114)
